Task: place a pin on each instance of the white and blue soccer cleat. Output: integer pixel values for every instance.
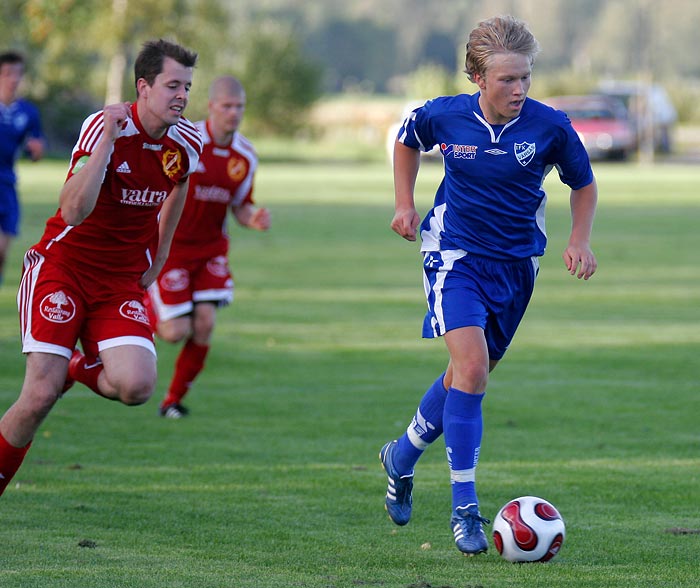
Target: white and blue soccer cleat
(466, 526)
(398, 494)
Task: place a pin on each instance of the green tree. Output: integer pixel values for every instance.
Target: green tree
(281, 84)
(355, 53)
(81, 51)
(429, 81)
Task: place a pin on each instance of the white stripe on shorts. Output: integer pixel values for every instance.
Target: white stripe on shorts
(25, 294)
(448, 260)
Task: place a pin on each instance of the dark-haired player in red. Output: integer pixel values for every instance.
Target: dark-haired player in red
(107, 242)
(196, 279)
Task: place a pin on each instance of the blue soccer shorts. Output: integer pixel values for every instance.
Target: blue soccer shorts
(9, 209)
(465, 290)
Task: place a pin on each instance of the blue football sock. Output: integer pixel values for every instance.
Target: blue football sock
(463, 429)
(425, 428)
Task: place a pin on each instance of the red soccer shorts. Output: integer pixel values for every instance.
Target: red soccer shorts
(59, 305)
(184, 282)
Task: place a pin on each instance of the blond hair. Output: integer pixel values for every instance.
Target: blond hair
(501, 34)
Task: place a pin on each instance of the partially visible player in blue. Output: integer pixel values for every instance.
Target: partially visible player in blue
(20, 128)
(480, 245)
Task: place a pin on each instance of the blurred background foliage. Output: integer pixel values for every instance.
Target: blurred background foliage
(295, 56)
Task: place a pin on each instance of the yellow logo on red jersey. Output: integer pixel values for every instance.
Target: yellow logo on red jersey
(172, 162)
(237, 168)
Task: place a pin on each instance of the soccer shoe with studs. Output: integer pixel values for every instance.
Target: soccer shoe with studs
(173, 411)
(399, 500)
(466, 526)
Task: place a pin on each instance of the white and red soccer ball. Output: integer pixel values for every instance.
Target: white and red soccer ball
(528, 529)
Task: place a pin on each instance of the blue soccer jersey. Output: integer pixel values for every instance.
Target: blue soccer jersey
(491, 200)
(18, 121)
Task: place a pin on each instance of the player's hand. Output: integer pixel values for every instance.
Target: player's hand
(260, 220)
(35, 148)
(580, 261)
(115, 117)
(405, 223)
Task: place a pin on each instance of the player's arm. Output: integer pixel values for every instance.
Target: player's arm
(578, 256)
(249, 215)
(169, 218)
(79, 193)
(35, 144)
(406, 165)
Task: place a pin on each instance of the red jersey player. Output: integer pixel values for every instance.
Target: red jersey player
(85, 279)
(196, 278)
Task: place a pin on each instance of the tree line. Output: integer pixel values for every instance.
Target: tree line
(290, 52)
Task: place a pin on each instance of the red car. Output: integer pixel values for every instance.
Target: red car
(602, 123)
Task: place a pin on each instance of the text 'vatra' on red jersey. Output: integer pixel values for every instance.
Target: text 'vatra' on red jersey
(122, 230)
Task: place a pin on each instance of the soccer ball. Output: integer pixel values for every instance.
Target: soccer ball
(528, 529)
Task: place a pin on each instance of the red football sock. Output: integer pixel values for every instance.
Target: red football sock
(10, 459)
(86, 373)
(188, 365)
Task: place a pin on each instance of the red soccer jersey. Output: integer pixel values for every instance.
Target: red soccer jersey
(123, 227)
(223, 179)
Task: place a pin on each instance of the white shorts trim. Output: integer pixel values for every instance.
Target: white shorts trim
(166, 312)
(31, 345)
(221, 295)
(127, 340)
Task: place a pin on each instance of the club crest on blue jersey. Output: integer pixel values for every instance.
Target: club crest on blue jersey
(458, 151)
(524, 152)
(20, 121)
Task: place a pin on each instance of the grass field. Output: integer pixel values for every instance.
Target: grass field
(274, 480)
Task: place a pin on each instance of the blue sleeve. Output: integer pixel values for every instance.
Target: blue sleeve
(34, 128)
(574, 166)
(415, 130)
